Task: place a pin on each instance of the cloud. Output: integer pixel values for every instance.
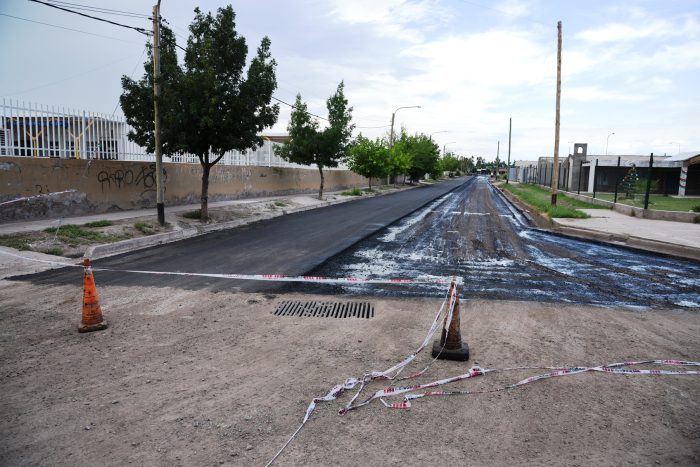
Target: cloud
(405, 20)
(515, 8)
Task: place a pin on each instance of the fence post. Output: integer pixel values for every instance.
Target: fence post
(617, 179)
(580, 173)
(595, 177)
(646, 196)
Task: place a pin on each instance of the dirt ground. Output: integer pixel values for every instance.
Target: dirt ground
(200, 378)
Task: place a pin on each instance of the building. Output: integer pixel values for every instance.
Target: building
(582, 172)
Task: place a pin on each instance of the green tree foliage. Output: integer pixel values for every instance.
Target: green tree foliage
(137, 98)
(425, 157)
(310, 145)
(369, 158)
(449, 163)
(212, 105)
(467, 164)
(400, 159)
(629, 183)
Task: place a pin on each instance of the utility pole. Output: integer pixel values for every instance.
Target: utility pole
(510, 128)
(160, 206)
(498, 152)
(555, 169)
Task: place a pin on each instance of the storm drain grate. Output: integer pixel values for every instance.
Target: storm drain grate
(326, 309)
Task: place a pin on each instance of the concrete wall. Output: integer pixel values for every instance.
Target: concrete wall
(104, 186)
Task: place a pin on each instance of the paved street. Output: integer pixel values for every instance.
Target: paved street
(475, 235)
(289, 245)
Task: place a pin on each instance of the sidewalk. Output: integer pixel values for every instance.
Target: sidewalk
(305, 200)
(674, 238)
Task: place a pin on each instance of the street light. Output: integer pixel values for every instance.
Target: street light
(606, 143)
(391, 135)
(443, 147)
(679, 145)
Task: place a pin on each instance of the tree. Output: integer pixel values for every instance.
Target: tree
(425, 157)
(629, 182)
(212, 106)
(449, 163)
(136, 99)
(369, 158)
(309, 145)
(400, 159)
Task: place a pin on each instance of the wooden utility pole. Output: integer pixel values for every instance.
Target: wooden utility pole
(510, 128)
(555, 169)
(498, 151)
(160, 206)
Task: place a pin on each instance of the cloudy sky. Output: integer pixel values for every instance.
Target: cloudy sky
(628, 66)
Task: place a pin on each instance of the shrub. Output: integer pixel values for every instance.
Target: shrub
(54, 251)
(354, 192)
(100, 223)
(146, 229)
(196, 214)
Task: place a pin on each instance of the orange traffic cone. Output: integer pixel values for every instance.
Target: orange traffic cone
(92, 313)
(450, 345)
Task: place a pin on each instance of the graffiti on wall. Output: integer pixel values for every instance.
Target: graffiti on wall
(118, 179)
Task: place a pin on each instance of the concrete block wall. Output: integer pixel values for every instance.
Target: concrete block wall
(105, 186)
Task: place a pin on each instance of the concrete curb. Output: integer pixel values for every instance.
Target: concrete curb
(631, 241)
(126, 246)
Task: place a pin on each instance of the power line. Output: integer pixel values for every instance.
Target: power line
(135, 28)
(295, 107)
(97, 9)
(67, 29)
(130, 76)
(18, 93)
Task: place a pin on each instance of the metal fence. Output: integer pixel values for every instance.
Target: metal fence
(34, 130)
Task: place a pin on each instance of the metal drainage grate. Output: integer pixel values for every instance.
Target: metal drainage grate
(326, 309)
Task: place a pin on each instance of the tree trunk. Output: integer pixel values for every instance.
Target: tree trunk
(320, 189)
(205, 191)
(370, 183)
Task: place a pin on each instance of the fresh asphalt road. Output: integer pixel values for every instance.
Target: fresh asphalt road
(474, 234)
(288, 245)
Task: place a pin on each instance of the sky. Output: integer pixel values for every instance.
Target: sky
(628, 67)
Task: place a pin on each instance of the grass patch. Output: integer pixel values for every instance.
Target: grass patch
(100, 223)
(16, 242)
(196, 214)
(144, 228)
(54, 251)
(280, 204)
(656, 202)
(354, 192)
(541, 199)
(70, 233)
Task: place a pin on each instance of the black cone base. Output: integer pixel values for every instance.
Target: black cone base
(461, 354)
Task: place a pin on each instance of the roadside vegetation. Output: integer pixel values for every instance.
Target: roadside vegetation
(540, 199)
(658, 202)
(71, 240)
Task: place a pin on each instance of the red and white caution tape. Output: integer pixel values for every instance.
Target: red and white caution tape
(42, 195)
(411, 392)
(256, 277)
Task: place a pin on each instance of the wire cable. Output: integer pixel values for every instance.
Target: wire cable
(135, 28)
(97, 9)
(68, 29)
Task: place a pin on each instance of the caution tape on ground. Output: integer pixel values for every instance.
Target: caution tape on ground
(412, 392)
(254, 277)
(42, 195)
